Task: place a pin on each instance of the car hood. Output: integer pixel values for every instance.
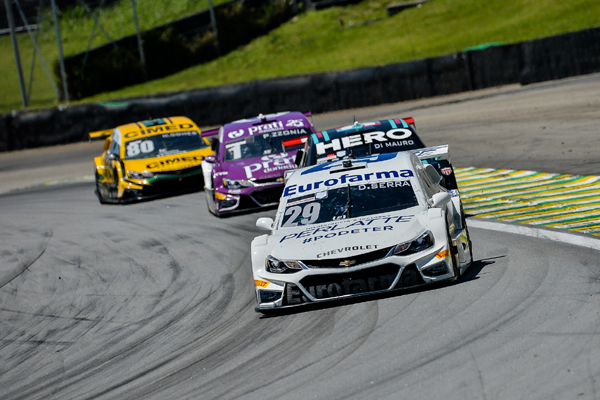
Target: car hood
(265, 167)
(174, 162)
(348, 238)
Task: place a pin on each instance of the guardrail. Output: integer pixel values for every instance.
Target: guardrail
(555, 57)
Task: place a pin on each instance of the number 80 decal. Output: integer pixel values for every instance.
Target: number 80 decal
(135, 148)
(310, 213)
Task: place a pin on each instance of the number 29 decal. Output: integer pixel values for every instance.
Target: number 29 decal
(309, 213)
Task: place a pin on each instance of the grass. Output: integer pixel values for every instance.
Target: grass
(76, 27)
(341, 38)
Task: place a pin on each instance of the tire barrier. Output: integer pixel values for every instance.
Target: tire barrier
(550, 58)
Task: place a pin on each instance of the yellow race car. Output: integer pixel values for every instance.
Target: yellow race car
(150, 159)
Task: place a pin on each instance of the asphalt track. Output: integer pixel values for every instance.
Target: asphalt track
(155, 300)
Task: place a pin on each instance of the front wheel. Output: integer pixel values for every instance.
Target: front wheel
(453, 257)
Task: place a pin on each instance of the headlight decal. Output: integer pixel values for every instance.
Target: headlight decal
(276, 266)
(421, 243)
(140, 175)
(237, 184)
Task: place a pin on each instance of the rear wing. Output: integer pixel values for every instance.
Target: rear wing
(433, 153)
(210, 133)
(411, 122)
(100, 134)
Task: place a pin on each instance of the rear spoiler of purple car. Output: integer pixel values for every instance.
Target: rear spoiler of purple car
(210, 133)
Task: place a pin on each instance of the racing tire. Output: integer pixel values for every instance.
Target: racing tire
(209, 199)
(453, 257)
(98, 193)
(463, 221)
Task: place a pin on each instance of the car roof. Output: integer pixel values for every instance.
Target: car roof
(156, 126)
(357, 127)
(380, 166)
(287, 120)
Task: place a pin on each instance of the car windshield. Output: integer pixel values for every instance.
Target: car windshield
(163, 145)
(349, 202)
(361, 145)
(265, 143)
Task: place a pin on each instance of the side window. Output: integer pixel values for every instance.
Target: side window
(218, 148)
(115, 145)
(429, 187)
(115, 148)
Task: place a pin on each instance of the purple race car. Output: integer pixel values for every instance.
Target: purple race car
(251, 156)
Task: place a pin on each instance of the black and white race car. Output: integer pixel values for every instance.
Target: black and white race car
(375, 137)
(354, 227)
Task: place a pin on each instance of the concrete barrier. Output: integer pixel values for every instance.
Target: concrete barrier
(538, 60)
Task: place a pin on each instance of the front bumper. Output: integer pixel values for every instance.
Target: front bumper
(144, 190)
(278, 291)
(229, 201)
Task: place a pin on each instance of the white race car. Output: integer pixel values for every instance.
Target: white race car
(355, 227)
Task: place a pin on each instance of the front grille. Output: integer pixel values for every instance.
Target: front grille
(368, 280)
(267, 196)
(359, 259)
(410, 277)
(268, 180)
(194, 182)
(197, 169)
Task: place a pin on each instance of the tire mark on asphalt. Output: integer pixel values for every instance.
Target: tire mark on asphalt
(507, 316)
(26, 264)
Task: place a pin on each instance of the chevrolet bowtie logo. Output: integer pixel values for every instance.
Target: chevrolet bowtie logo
(347, 263)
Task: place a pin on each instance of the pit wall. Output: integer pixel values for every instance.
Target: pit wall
(545, 59)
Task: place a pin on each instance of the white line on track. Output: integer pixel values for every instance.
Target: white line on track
(577, 239)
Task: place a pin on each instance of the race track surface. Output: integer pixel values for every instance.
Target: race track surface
(155, 300)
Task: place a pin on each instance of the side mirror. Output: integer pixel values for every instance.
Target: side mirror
(432, 173)
(287, 174)
(113, 156)
(299, 156)
(210, 159)
(265, 224)
(107, 144)
(214, 144)
(439, 199)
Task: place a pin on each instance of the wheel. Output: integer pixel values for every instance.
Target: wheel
(98, 193)
(210, 200)
(453, 257)
(463, 221)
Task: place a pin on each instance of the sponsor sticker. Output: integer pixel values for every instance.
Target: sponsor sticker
(399, 137)
(291, 190)
(337, 230)
(446, 171)
(341, 250)
(236, 134)
(270, 163)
